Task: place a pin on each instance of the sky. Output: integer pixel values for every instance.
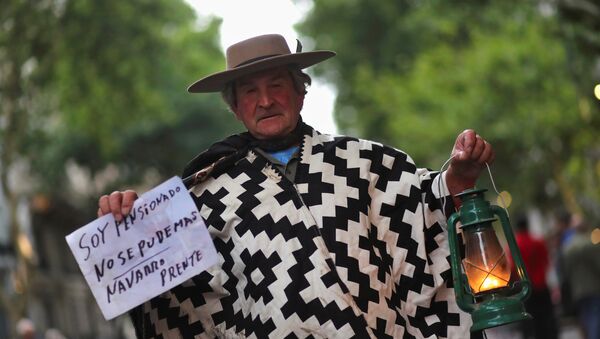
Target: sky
(243, 19)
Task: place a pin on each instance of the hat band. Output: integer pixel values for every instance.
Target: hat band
(255, 59)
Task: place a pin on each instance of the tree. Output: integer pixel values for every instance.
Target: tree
(580, 31)
(415, 74)
(98, 85)
(18, 19)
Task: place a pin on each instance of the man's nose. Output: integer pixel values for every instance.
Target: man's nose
(264, 98)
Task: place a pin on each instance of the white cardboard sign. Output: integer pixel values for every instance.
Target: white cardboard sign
(159, 245)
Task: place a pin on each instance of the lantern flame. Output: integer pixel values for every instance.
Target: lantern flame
(482, 279)
(491, 283)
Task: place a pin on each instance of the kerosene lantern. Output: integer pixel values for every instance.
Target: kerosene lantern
(484, 286)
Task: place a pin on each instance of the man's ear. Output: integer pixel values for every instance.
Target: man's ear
(300, 103)
(234, 111)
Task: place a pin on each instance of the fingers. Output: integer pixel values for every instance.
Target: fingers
(483, 153)
(103, 206)
(117, 203)
(468, 138)
(487, 155)
(473, 147)
(129, 197)
(470, 154)
(478, 149)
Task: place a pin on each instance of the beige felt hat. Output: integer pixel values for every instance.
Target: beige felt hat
(256, 54)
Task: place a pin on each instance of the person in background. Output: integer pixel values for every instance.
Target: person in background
(564, 231)
(582, 269)
(318, 236)
(536, 259)
(26, 329)
(53, 333)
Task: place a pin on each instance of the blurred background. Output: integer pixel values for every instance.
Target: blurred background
(92, 99)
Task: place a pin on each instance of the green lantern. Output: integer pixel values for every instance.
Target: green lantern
(485, 289)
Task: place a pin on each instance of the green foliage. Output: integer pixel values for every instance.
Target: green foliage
(108, 86)
(93, 94)
(415, 74)
(118, 63)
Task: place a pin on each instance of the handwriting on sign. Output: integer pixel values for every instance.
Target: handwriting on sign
(160, 244)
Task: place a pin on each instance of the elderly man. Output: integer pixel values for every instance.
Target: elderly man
(318, 236)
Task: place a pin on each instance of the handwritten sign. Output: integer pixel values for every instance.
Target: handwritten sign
(159, 245)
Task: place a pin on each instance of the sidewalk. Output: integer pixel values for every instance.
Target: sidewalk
(568, 330)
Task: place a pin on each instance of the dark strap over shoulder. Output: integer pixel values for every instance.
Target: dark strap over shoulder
(225, 153)
(220, 155)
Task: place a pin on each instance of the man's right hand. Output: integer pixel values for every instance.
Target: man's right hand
(117, 203)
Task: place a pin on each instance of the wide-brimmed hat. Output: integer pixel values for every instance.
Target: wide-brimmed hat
(257, 54)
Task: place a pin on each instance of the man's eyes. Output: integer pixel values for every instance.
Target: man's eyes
(247, 90)
(253, 89)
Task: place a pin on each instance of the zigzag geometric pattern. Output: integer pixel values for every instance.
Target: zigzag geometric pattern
(354, 248)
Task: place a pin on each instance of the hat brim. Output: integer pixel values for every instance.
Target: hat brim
(216, 82)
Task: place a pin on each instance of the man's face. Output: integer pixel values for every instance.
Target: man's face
(267, 103)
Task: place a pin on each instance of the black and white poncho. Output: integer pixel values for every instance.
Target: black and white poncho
(356, 247)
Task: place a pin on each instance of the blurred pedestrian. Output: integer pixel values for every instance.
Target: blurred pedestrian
(536, 259)
(564, 231)
(53, 333)
(25, 329)
(582, 269)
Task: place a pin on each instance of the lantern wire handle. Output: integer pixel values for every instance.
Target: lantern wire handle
(443, 196)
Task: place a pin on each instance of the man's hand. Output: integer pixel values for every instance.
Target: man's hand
(469, 157)
(117, 203)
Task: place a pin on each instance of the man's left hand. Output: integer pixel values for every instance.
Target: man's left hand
(469, 157)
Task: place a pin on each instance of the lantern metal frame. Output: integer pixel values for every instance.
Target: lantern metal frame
(498, 306)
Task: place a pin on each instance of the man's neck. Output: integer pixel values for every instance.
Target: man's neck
(294, 138)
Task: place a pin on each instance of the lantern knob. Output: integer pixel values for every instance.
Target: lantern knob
(471, 193)
(475, 210)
